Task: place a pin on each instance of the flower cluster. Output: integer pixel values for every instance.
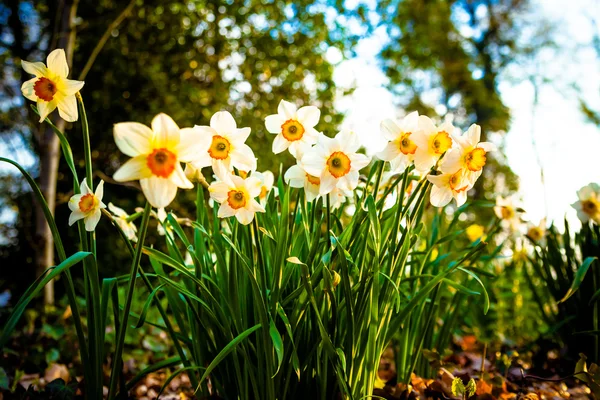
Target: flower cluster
(459, 158)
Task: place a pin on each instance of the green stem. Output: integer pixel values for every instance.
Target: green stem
(116, 361)
(85, 131)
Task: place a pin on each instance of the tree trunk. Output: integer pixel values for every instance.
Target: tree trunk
(49, 150)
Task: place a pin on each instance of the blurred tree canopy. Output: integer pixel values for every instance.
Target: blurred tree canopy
(192, 58)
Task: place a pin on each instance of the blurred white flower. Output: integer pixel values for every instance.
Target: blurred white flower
(87, 205)
(432, 142)
(449, 186)
(294, 127)
(120, 217)
(588, 205)
(469, 154)
(50, 88)
(400, 149)
(267, 179)
(297, 177)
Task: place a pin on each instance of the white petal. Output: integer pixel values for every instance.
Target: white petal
(348, 181)
(426, 124)
(311, 191)
(84, 188)
(70, 87)
(166, 131)
(255, 206)
(218, 191)
(100, 191)
(423, 161)
(410, 123)
(28, 90)
(34, 68)
(243, 158)
(286, 110)
(440, 196)
(67, 108)
(179, 179)
(461, 198)
(358, 161)
(159, 192)
(348, 141)
(119, 212)
(399, 163)
(313, 163)
(57, 63)
(273, 123)
(239, 135)
(451, 162)
(244, 216)
(308, 116)
(92, 220)
(45, 108)
(487, 146)
(134, 169)
(225, 211)
(223, 173)
(295, 176)
(192, 144)
(254, 186)
(328, 183)
(74, 202)
(223, 122)
(390, 130)
(280, 144)
(75, 216)
(269, 179)
(474, 134)
(133, 138)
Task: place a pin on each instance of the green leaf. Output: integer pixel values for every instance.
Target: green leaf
(458, 387)
(278, 344)
(168, 363)
(486, 306)
(3, 379)
(578, 278)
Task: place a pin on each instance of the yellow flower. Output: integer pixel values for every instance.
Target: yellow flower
(157, 154)
(469, 154)
(475, 232)
(432, 141)
(87, 206)
(50, 88)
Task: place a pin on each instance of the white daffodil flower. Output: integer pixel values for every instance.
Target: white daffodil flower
(236, 195)
(447, 187)
(588, 205)
(222, 143)
(50, 88)
(294, 127)
(157, 154)
(400, 149)
(120, 217)
(297, 177)
(87, 205)
(432, 142)
(469, 154)
(267, 180)
(335, 161)
(506, 210)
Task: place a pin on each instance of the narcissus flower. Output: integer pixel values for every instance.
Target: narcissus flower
(297, 177)
(400, 149)
(87, 206)
(449, 186)
(157, 154)
(588, 205)
(50, 88)
(267, 179)
(121, 218)
(506, 210)
(432, 141)
(335, 162)
(222, 143)
(294, 127)
(236, 195)
(537, 232)
(469, 154)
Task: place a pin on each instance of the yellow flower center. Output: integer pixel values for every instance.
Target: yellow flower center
(441, 142)
(161, 162)
(590, 206)
(243, 174)
(475, 159)
(338, 164)
(406, 145)
(455, 181)
(87, 203)
(45, 89)
(263, 192)
(507, 212)
(313, 180)
(292, 130)
(236, 199)
(535, 233)
(219, 148)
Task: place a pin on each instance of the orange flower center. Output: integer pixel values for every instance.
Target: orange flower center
(535, 233)
(590, 206)
(45, 89)
(219, 148)
(313, 180)
(236, 199)
(263, 192)
(455, 181)
(507, 212)
(292, 130)
(475, 159)
(161, 162)
(406, 145)
(441, 142)
(87, 203)
(338, 164)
